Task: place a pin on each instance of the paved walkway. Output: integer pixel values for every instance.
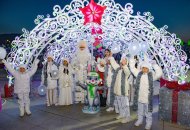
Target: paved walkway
(70, 118)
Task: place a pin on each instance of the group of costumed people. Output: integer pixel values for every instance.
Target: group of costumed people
(117, 78)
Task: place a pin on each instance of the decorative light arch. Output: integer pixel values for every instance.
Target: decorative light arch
(62, 33)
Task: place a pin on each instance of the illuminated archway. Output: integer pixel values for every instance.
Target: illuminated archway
(62, 33)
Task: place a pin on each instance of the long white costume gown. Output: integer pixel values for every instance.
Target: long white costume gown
(80, 67)
(50, 82)
(65, 85)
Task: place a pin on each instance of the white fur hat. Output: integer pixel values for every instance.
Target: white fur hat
(22, 66)
(145, 64)
(103, 61)
(82, 43)
(64, 58)
(100, 60)
(50, 55)
(113, 63)
(123, 57)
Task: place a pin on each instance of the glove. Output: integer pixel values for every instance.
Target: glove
(3, 61)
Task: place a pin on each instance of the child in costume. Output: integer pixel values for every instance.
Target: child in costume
(22, 85)
(49, 80)
(121, 90)
(65, 83)
(144, 90)
(110, 76)
(101, 69)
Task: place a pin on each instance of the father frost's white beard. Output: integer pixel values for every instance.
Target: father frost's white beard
(83, 56)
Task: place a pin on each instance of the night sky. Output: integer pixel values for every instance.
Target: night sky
(16, 14)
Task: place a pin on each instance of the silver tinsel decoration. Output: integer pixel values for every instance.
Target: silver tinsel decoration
(184, 108)
(165, 106)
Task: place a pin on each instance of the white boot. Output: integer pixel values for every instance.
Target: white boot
(110, 109)
(148, 126)
(21, 111)
(138, 122)
(119, 117)
(126, 120)
(27, 109)
(148, 121)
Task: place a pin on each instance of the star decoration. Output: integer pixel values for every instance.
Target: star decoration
(93, 12)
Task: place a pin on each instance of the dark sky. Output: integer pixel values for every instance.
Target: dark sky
(16, 14)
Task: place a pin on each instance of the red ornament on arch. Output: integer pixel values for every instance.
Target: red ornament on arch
(93, 12)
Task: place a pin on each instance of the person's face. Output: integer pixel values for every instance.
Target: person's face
(49, 59)
(22, 69)
(82, 48)
(102, 64)
(145, 70)
(107, 53)
(65, 63)
(124, 62)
